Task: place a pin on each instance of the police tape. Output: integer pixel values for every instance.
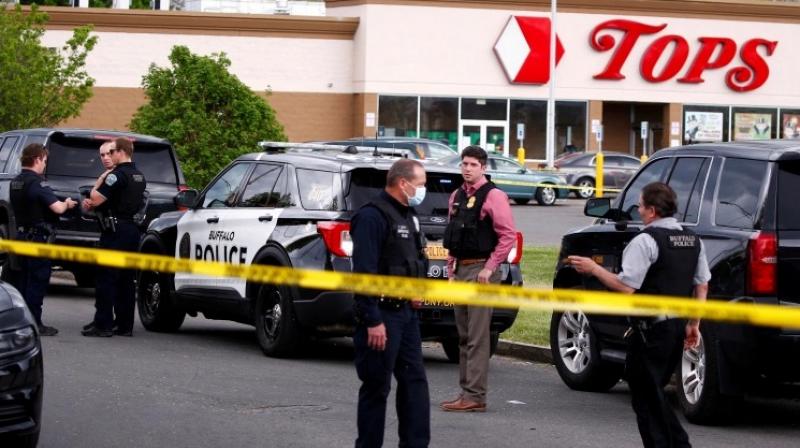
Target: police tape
(434, 291)
(522, 183)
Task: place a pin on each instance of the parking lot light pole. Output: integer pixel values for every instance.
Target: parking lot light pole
(550, 152)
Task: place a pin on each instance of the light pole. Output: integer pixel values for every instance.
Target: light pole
(550, 149)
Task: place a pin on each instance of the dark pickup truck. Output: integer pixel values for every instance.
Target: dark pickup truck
(74, 164)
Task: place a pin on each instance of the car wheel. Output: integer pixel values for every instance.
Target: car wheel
(546, 195)
(157, 308)
(698, 383)
(276, 326)
(451, 350)
(576, 354)
(586, 188)
(521, 201)
(26, 441)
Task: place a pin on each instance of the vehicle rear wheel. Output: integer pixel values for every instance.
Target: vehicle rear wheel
(546, 195)
(576, 354)
(451, 350)
(26, 441)
(521, 201)
(586, 185)
(276, 326)
(698, 383)
(157, 308)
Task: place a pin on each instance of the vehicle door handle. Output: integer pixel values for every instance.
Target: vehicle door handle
(213, 220)
(264, 218)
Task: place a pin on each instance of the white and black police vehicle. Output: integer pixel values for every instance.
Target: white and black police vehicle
(291, 205)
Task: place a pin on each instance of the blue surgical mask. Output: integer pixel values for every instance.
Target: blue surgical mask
(419, 196)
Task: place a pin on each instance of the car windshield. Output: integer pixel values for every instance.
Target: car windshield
(365, 184)
(79, 157)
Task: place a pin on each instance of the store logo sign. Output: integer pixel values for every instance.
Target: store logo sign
(523, 49)
(672, 53)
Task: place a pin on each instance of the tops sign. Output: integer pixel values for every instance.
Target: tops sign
(523, 49)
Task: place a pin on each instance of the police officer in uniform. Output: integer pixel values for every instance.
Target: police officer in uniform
(36, 209)
(387, 240)
(663, 259)
(117, 200)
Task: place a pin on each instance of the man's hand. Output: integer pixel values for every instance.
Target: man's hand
(376, 337)
(86, 204)
(484, 275)
(692, 339)
(70, 203)
(583, 265)
(102, 178)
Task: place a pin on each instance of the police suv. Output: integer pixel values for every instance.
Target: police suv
(291, 205)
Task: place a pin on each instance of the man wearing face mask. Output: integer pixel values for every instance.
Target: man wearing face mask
(387, 240)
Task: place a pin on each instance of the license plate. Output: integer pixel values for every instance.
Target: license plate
(437, 303)
(435, 252)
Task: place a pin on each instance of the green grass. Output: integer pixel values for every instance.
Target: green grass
(533, 326)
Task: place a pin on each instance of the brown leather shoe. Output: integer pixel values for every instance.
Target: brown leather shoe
(450, 402)
(464, 405)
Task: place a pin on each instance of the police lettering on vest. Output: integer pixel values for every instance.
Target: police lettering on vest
(402, 253)
(673, 272)
(468, 236)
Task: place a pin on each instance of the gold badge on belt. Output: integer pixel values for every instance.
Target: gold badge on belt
(471, 202)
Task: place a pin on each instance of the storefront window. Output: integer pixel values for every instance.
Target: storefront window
(439, 120)
(705, 124)
(483, 109)
(533, 114)
(790, 123)
(397, 116)
(754, 124)
(570, 126)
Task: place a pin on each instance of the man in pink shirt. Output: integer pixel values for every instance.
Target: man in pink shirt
(480, 235)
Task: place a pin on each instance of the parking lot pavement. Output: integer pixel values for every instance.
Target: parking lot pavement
(544, 226)
(209, 386)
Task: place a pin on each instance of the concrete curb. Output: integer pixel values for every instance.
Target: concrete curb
(526, 352)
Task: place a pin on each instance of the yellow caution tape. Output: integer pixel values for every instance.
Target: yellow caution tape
(459, 293)
(522, 183)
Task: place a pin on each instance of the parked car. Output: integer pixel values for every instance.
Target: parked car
(291, 206)
(740, 198)
(579, 170)
(518, 182)
(418, 148)
(74, 165)
(21, 372)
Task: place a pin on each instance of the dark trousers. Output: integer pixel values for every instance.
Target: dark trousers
(33, 277)
(403, 358)
(649, 365)
(114, 291)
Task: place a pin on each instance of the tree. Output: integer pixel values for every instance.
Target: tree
(206, 112)
(40, 86)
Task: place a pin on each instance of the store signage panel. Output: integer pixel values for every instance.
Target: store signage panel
(523, 49)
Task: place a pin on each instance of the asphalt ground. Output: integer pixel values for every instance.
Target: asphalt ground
(545, 225)
(209, 386)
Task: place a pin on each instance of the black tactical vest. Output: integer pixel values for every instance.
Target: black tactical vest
(467, 236)
(402, 253)
(126, 202)
(25, 213)
(673, 272)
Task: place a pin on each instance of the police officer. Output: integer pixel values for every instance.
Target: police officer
(387, 240)
(663, 259)
(117, 200)
(36, 209)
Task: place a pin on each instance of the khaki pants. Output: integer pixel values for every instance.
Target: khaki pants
(474, 339)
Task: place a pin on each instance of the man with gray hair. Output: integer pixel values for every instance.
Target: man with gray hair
(387, 240)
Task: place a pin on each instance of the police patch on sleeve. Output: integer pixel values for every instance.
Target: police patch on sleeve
(111, 179)
(416, 222)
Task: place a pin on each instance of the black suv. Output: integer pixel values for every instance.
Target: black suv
(73, 165)
(740, 198)
(291, 207)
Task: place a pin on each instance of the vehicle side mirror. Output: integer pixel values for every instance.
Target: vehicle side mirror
(598, 208)
(186, 198)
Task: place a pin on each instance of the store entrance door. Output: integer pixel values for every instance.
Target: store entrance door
(491, 135)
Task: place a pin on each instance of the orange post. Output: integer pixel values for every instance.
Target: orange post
(598, 175)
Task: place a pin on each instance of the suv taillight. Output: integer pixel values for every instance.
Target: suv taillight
(182, 187)
(516, 252)
(762, 264)
(337, 237)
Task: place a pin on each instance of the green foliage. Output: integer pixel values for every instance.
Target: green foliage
(206, 112)
(40, 86)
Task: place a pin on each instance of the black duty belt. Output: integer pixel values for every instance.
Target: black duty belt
(391, 303)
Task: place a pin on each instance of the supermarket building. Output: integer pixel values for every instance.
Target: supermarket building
(632, 76)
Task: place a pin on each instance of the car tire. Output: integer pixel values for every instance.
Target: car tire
(586, 185)
(277, 328)
(451, 350)
(26, 441)
(576, 354)
(546, 195)
(698, 383)
(521, 201)
(158, 310)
